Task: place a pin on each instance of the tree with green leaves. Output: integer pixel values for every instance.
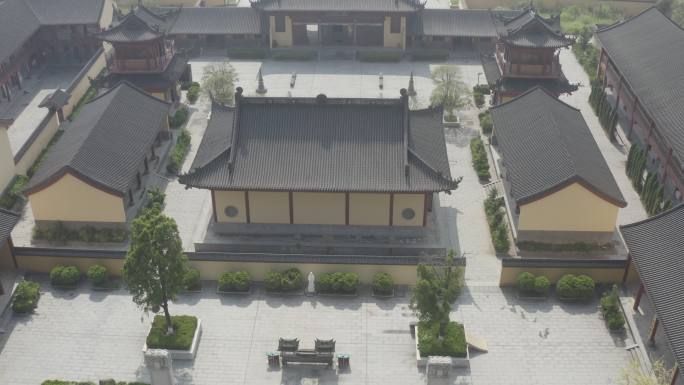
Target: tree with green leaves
(438, 286)
(219, 81)
(155, 263)
(450, 91)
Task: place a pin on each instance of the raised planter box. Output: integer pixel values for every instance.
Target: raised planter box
(247, 292)
(343, 295)
(185, 354)
(456, 362)
(297, 292)
(383, 296)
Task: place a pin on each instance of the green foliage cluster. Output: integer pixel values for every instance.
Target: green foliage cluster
(337, 283)
(180, 149)
(13, 195)
(610, 308)
(494, 210)
(450, 92)
(247, 53)
(90, 94)
(576, 18)
(581, 247)
(155, 198)
(575, 287)
(179, 117)
(430, 55)
(650, 189)
(101, 382)
(186, 85)
(479, 99)
(453, 343)
(65, 275)
(383, 284)
(636, 164)
(295, 55)
(437, 288)
(529, 285)
(486, 122)
(192, 280)
(193, 93)
(219, 81)
(234, 281)
(25, 297)
(379, 56)
(482, 88)
(57, 232)
(184, 327)
(98, 274)
(480, 162)
(285, 281)
(608, 116)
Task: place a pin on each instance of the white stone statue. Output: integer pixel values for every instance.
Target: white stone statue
(311, 288)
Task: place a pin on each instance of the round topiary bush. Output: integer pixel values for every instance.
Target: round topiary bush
(525, 283)
(234, 281)
(566, 288)
(585, 287)
(98, 274)
(383, 284)
(288, 280)
(191, 280)
(541, 285)
(65, 275)
(25, 297)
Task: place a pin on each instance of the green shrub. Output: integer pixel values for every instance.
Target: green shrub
(379, 56)
(337, 283)
(247, 53)
(191, 280)
(486, 122)
(184, 327)
(482, 89)
(13, 195)
(25, 297)
(65, 275)
(541, 285)
(234, 281)
(453, 344)
(610, 308)
(58, 233)
(430, 55)
(383, 284)
(288, 280)
(178, 153)
(186, 85)
(295, 55)
(98, 274)
(179, 117)
(480, 160)
(155, 198)
(525, 283)
(193, 93)
(498, 228)
(575, 287)
(585, 287)
(479, 99)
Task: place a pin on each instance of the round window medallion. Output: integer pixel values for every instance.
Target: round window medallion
(408, 213)
(231, 211)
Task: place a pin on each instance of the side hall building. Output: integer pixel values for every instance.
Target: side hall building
(321, 161)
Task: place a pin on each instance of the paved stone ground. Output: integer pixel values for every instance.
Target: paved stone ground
(84, 335)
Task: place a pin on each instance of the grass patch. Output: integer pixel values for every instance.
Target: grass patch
(184, 327)
(480, 160)
(180, 149)
(295, 55)
(90, 94)
(453, 344)
(379, 56)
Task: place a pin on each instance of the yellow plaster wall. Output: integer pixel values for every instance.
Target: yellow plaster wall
(284, 39)
(82, 86)
(369, 209)
(394, 40)
(319, 208)
(573, 208)
(404, 201)
(269, 207)
(601, 275)
(70, 199)
(6, 160)
(223, 199)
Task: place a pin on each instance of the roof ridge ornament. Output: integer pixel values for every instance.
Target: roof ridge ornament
(261, 89)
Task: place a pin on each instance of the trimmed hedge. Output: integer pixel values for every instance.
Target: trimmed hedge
(25, 297)
(286, 281)
(430, 55)
(650, 189)
(610, 309)
(379, 56)
(337, 283)
(180, 149)
(486, 122)
(295, 55)
(575, 287)
(247, 53)
(98, 274)
(482, 89)
(479, 99)
(494, 210)
(193, 93)
(234, 281)
(179, 117)
(58, 233)
(184, 327)
(191, 280)
(186, 85)
(13, 194)
(480, 160)
(453, 344)
(383, 284)
(529, 285)
(65, 275)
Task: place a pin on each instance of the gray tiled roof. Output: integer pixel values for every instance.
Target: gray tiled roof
(339, 5)
(533, 31)
(17, 24)
(492, 73)
(656, 246)
(546, 145)
(649, 51)
(7, 221)
(216, 20)
(337, 145)
(108, 141)
(461, 22)
(64, 12)
(134, 27)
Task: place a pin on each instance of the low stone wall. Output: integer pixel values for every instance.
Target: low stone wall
(602, 271)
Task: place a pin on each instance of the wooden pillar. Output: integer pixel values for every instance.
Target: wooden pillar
(675, 375)
(639, 294)
(346, 209)
(213, 206)
(653, 331)
(391, 211)
(291, 207)
(628, 265)
(247, 207)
